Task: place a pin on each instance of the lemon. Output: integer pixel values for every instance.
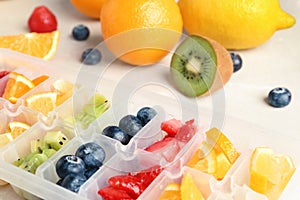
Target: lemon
(236, 24)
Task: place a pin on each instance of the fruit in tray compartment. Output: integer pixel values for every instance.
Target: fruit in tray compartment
(91, 56)
(42, 20)
(17, 128)
(63, 89)
(80, 32)
(129, 186)
(3, 73)
(41, 45)
(41, 150)
(279, 97)
(5, 138)
(215, 156)
(270, 172)
(130, 125)
(257, 21)
(74, 170)
(171, 192)
(129, 33)
(200, 65)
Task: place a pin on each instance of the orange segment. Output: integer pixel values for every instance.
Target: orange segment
(42, 102)
(17, 85)
(5, 138)
(223, 165)
(17, 128)
(64, 90)
(41, 45)
(219, 140)
(189, 190)
(40, 79)
(269, 172)
(171, 192)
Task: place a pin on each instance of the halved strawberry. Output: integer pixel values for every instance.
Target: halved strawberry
(160, 144)
(187, 131)
(171, 126)
(110, 193)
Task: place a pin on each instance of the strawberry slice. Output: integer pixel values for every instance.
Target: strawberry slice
(187, 131)
(3, 73)
(171, 127)
(110, 193)
(148, 175)
(160, 144)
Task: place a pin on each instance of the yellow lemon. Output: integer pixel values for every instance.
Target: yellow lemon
(236, 24)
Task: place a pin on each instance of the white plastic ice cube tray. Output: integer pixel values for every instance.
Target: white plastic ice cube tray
(122, 159)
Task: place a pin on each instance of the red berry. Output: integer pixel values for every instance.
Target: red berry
(110, 193)
(187, 131)
(42, 20)
(160, 144)
(171, 126)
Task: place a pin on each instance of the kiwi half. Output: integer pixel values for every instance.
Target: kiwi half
(195, 66)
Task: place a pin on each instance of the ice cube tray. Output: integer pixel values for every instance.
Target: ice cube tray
(122, 159)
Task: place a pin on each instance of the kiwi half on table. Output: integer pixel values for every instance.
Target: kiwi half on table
(200, 65)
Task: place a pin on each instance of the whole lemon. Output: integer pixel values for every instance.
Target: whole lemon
(236, 24)
(90, 8)
(141, 32)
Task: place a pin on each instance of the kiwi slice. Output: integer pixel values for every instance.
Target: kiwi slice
(194, 66)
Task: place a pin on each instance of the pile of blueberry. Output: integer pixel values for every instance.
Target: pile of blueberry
(74, 170)
(130, 125)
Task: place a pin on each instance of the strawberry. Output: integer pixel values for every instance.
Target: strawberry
(171, 126)
(3, 73)
(130, 184)
(148, 175)
(160, 144)
(187, 131)
(110, 193)
(42, 20)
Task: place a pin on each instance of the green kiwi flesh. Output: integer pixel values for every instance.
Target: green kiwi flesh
(194, 66)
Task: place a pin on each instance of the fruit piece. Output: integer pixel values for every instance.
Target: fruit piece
(80, 32)
(5, 138)
(256, 20)
(41, 45)
(69, 164)
(237, 61)
(91, 56)
(42, 102)
(48, 152)
(223, 165)
(171, 127)
(37, 146)
(90, 8)
(17, 128)
(92, 154)
(130, 124)
(139, 22)
(145, 114)
(55, 139)
(62, 86)
(160, 144)
(3, 73)
(186, 131)
(279, 97)
(89, 172)
(116, 133)
(39, 80)
(200, 65)
(33, 163)
(204, 159)
(219, 140)
(171, 192)
(42, 20)
(111, 193)
(269, 172)
(148, 175)
(189, 190)
(17, 85)
(130, 184)
(73, 182)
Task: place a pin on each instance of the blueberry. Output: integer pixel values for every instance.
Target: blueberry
(116, 133)
(80, 32)
(130, 124)
(91, 56)
(59, 181)
(73, 182)
(92, 154)
(279, 97)
(69, 164)
(145, 114)
(237, 61)
(89, 172)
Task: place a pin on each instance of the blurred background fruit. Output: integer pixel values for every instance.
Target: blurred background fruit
(150, 27)
(90, 8)
(236, 24)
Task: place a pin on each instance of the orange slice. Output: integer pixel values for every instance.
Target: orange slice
(41, 45)
(42, 102)
(40, 79)
(64, 90)
(189, 190)
(5, 138)
(222, 143)
(269, 172)
(223, 165)
(17, 128)
(171, 192)
(17, 85)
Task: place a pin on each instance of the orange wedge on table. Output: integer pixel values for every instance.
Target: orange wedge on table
(43, 102)
(17, 128)
(41, 45)
(17, 85)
